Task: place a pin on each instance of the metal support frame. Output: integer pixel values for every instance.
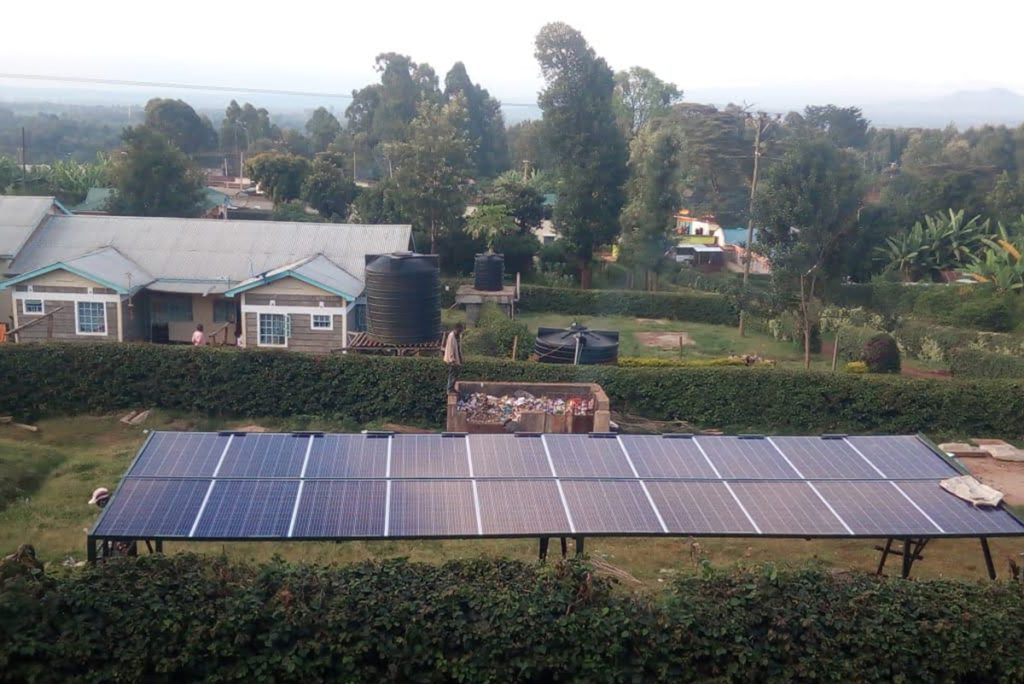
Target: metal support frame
(99, 548)
(545, 542)
(988, 558)
(911, 552)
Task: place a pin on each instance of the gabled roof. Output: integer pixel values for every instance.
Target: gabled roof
(318, 271)
(210, 251)
(19, 217)
(106, 266)
(96, 200)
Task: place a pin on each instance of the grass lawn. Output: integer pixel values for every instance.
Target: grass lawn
(82, 453)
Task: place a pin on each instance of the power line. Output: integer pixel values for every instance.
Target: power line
(193, 86)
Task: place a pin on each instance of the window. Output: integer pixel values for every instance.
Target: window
(31, 306)
(322, 322)
(91, 318)
(168, 308)
(224, 310)
(273, 330)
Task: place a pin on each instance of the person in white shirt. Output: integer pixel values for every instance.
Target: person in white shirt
(199, 337)
(453, 355)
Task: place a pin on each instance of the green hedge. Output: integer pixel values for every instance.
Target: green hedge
(699, 307)
(851, 340)
(936, 342)
(979, 307)
(194, 618)
(977, 363)
(55, 379)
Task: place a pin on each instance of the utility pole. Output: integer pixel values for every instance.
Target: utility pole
(24, 162)
(761, 124)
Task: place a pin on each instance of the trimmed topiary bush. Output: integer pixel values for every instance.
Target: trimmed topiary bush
(881, 354)
(495, 334)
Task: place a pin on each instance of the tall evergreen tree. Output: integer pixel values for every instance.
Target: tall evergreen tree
(485, 126)
(154, 178)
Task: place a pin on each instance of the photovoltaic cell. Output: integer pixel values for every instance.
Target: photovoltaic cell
(344, 456)
(508, 456)
(655, 456)
(789, 508)
(584, 456)
(428, 456)
(875, 508)
(521, 507)
(341, 508)
(609, 507)
(754, 459)
(956, 516)
(432, 508)
(153, 508)
(903, 458)
(698, 508)
(180, 454)
(265, 455)
(248, 508)
(827, 459)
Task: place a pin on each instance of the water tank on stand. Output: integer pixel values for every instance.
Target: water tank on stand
(576, 345)
(403, 298)
(488, 272)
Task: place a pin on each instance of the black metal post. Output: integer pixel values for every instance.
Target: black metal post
(543, 554)
(149, 547)
(885, 555)
(908, 558)
(159, 545)
(988, 558)
(565, 548)
(579, 547)
(90, 549)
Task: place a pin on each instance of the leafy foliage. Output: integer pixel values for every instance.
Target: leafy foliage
(641, 96)
(694, 306)
(179, 122)
(978, 363)
(881, 354)
(327, 190)
(280, 175)
(323, 128)
(494, 335)
(484, 124)
(154, 178)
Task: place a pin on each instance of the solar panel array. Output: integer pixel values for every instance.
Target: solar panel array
(314, 486)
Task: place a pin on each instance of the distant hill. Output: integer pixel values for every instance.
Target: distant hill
(964, 109)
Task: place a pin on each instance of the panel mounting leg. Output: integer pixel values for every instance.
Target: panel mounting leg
(565, 548)
(543, 553)
(90, 549)
(159, 545)
(908, 559)
(988, 558)
(885, 555)
(579, 547)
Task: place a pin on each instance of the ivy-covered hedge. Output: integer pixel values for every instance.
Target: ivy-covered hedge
(194, 618)
(55, 379)
(977, 363)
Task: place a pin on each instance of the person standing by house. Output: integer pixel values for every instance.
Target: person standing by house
(453, 355)
(198, 337)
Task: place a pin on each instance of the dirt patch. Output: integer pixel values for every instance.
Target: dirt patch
(405, 429)
(664, 340)
(250, 428)
(1006, 476)
(652, 321)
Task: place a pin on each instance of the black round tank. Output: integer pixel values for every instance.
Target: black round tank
(488, 272)
(576, 344)
(403, 298)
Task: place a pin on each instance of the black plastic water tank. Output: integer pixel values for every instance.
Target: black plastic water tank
(555, 345)
(403, 298)
(488, 272)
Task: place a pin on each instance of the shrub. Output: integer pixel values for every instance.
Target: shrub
(856, 367)
(881, 354)
(978, 363)
(495, 334)
(851, 341)
(788, 327)
(699, 307)
(70, 378)
(935, 342)
(988, 314)
(654, 362)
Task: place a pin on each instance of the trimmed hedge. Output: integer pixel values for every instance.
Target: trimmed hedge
(699, 307)
(196, 618)
(851, 340)
(56, 379)
(935, 342)
(977, 363)
(978, 306)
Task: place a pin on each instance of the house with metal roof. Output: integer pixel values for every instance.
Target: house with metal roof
(19, 218)
(286, 285)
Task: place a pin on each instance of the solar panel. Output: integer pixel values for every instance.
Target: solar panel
(429, 456)
(828, 459)
(789, 508)
(610, 507)
(432, 508)
(341, 508)
(698, 508)
(876, 508)
(248, 508)
(754, 459)
(265, 455)
(180, 454)
(902, 458)
(521, 507)
(656, 456)
(585, 456)
(153, 508)
(347, 456)
(956, 516)
(504, 456)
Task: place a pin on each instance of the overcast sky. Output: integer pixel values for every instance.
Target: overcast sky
(857, 51)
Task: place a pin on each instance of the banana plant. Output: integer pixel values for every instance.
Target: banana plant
(906, 253)
(1001, 264)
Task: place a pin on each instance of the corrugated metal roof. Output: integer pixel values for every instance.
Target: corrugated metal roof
(209, 249)
(317, 270)
(200, 287)
(19, 216)
(112, 267)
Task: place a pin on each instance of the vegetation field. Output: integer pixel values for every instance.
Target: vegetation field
(70, 457)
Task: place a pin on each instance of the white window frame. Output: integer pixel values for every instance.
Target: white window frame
(325, 328)
(26, 312)
(259, 336)
(106, 324)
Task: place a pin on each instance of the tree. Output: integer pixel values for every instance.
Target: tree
(490, 222)
(323, 128)
(8, 173)
(524, 202)
(377, 204)
(153, 177)
(244, 125)
(327, 190)
(485, 126)
(70, 181)
(1006, 200)
(279, 175)
(580, 128)
(808, 205)
(431, 170)
(181, 125)
(527, 147)
(640, 96)
(844, 126)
